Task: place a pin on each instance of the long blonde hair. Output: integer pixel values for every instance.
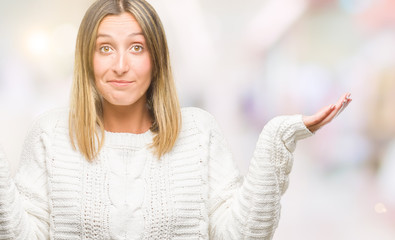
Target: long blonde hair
(86, 127)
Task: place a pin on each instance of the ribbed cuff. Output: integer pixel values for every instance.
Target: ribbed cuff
(294, 130)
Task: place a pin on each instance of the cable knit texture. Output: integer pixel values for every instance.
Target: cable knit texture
(193, 192)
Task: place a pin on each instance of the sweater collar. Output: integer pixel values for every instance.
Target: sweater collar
(127, 140)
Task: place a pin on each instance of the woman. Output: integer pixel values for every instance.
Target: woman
(125, 162)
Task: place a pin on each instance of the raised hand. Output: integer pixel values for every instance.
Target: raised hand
(326, 114)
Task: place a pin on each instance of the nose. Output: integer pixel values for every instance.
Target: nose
(121, 64)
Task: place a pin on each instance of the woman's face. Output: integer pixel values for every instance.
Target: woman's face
(121, 61)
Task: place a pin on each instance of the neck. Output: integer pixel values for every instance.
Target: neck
(134, 118)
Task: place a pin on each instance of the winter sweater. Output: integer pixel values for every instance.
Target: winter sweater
(193, 192)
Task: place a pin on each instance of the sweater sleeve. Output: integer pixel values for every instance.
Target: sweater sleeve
(24, 204)
(249, 207)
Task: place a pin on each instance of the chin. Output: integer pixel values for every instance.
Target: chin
(122, 102)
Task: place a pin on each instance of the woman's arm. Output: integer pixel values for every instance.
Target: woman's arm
(24, 208)
(249, 207)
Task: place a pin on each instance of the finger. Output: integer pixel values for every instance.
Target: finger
(344, 105)
(343, 99)
(339, 105)
(319, 116)
(341, 109)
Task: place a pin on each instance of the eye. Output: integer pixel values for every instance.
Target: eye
(105, 49)
(137, 48)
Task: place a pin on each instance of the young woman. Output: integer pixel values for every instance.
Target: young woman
(125, 162)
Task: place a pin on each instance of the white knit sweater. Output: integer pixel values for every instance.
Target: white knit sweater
(193, 192)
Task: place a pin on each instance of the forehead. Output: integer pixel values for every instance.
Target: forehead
(125, 22)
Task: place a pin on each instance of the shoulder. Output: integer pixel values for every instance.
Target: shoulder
(198, 117)
(200, 122)
(196, 113)
(49, 120)
(42, 132)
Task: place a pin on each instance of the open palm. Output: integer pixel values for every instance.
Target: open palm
(326, 114)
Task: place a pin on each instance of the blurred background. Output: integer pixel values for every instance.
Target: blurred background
(246, 63)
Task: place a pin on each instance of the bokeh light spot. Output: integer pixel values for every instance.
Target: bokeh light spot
(38, 43)
(380, 208)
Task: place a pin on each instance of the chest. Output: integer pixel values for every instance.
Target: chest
(133, 195)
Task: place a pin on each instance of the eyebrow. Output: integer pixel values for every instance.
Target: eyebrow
(109, 36)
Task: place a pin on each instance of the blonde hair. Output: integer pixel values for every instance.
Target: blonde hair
(86, 127)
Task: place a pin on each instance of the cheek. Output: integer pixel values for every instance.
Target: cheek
(147, 73)
(98, 72)
(144, 68)
(99, 67)
(148, 67)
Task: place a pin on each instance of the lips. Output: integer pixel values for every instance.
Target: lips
(120, 83)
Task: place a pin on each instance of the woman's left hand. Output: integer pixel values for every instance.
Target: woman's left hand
(326, 114)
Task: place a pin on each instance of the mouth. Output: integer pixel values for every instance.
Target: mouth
(120, 83)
